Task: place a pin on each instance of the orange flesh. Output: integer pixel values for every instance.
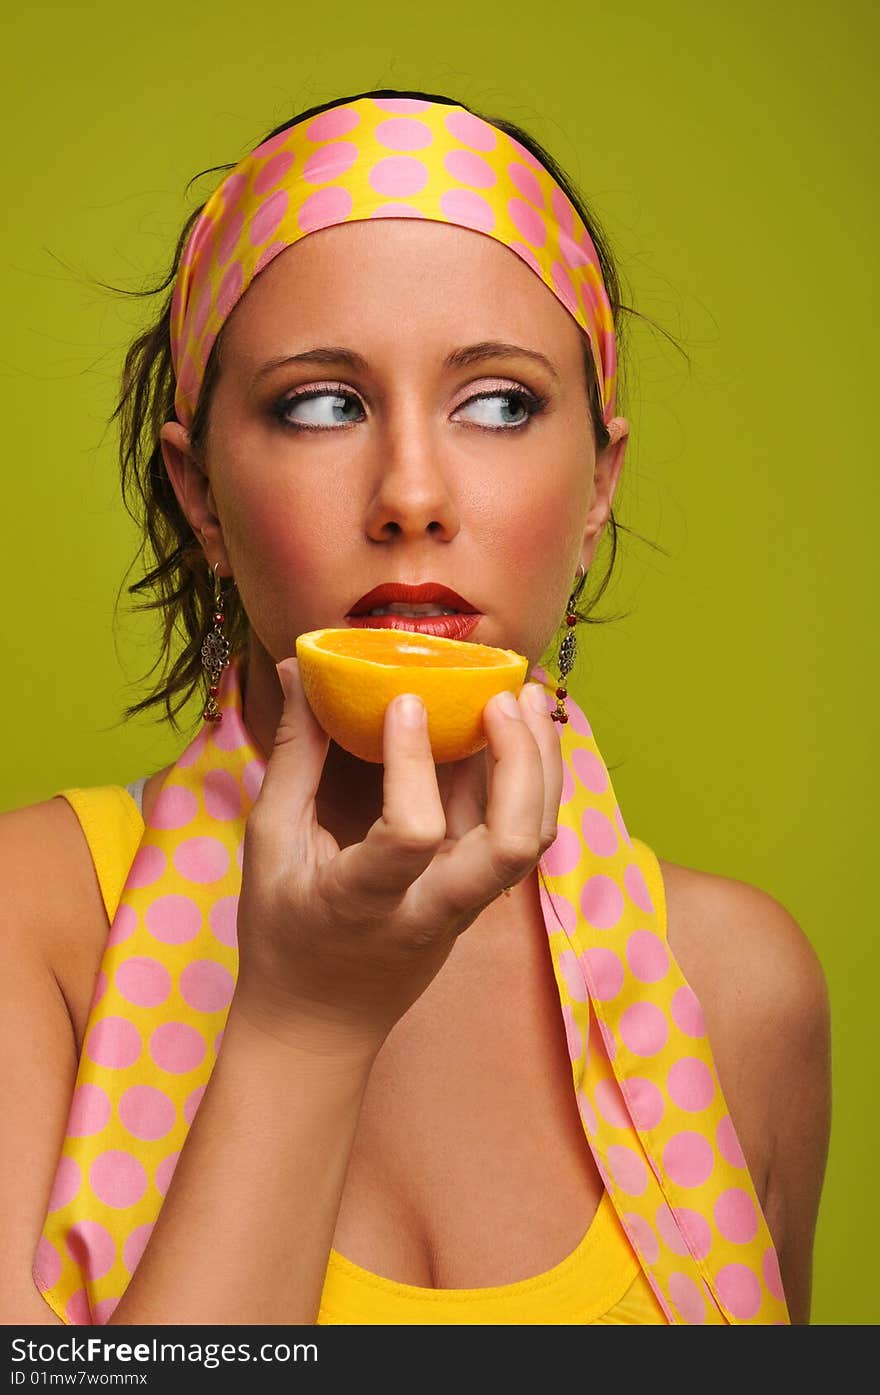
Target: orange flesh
(402, 649)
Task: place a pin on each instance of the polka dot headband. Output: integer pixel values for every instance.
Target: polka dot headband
(392, 157)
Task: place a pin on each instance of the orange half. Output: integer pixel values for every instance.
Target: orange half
(349, 677)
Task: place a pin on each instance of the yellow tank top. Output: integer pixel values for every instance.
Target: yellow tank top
(600, 1282)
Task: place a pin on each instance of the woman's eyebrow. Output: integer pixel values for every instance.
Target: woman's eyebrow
(459, 358)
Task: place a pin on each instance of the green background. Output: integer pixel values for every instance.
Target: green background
(728, 153)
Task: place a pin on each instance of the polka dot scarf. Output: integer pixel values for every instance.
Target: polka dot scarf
(393, 157)
(651, 1105)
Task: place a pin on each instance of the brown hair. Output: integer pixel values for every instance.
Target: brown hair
(176, 577)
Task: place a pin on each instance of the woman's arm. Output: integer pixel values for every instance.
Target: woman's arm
(767, 1013)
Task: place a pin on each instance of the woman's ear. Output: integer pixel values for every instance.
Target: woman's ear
(194, 495)
(609, 463)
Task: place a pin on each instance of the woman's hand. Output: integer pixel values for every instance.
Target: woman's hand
(335, 945)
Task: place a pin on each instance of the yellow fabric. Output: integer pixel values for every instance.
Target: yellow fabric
(600, 1282)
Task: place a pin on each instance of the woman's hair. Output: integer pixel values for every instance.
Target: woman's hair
(176, 578)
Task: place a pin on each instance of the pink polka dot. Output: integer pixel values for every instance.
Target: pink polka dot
(252, 778)
(175, 808)
(124, 924)
(572, 254)
(527, 255)
(687, 1013)
(647, 956)
(66, 1184)
(525, 181)
(217, 1040)
(577, 720)
(573, 976)
(558, 911)
(201, 859)
(601, 901)
(669, 1231)
(192, 1102)
(606, 973)
(77, 1309)
(90, 1111)
(687, 1298)
(645, 1102)
(117, 1178)
(194, 749)
(397, 176)
(772, 1276)
(469, 168)
(690, 1084)
(643, 1029)
(338, 121)
(99, 989)
(404, 133)
(527, 221)
(147, 867)
(564, 287)
(113, 1042)
(468, 209)
(173, 919)
(223, 918)
(697, 1230)
(201, 312)
(609, 1102)
(688, 1158)
(177, 1047)
(739, 1290)
(587, 1112)
(403, 105)
(222, 795)
(735, 1216)
(147, 1112)
(273, 172)
(47, 1265)
(642, 1236)
(573, 1035)
(229, 233)
(728, 1143)
(562, 211)
(564, 853)
(165, 1171)
(324, 208)
(599, 835)
(636, 889)
(91, 1246)
(590, 770)
(235, 185)
(206, 986)
(627, 1169)
(525, 155)
(618, 819)
(470, 130)
(135, 1246)
(329, 163)
(230, 288)
(143, 981)
(105, 1309)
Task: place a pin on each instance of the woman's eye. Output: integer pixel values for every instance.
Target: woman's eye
(321, 408)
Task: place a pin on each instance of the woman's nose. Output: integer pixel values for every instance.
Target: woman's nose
(413, 493)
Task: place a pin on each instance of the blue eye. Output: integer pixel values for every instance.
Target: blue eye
(323, 419)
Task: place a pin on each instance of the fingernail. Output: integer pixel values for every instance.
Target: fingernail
(412, 711)
(536, 698)
(508, 704)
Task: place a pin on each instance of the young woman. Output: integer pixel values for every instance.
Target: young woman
(296, 1038)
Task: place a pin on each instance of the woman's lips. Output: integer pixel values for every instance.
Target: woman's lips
(446, 626)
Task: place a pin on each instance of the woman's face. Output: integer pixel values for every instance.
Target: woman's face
(388, 469)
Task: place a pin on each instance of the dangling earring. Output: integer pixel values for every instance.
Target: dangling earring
(568, 647)
(215, 652)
